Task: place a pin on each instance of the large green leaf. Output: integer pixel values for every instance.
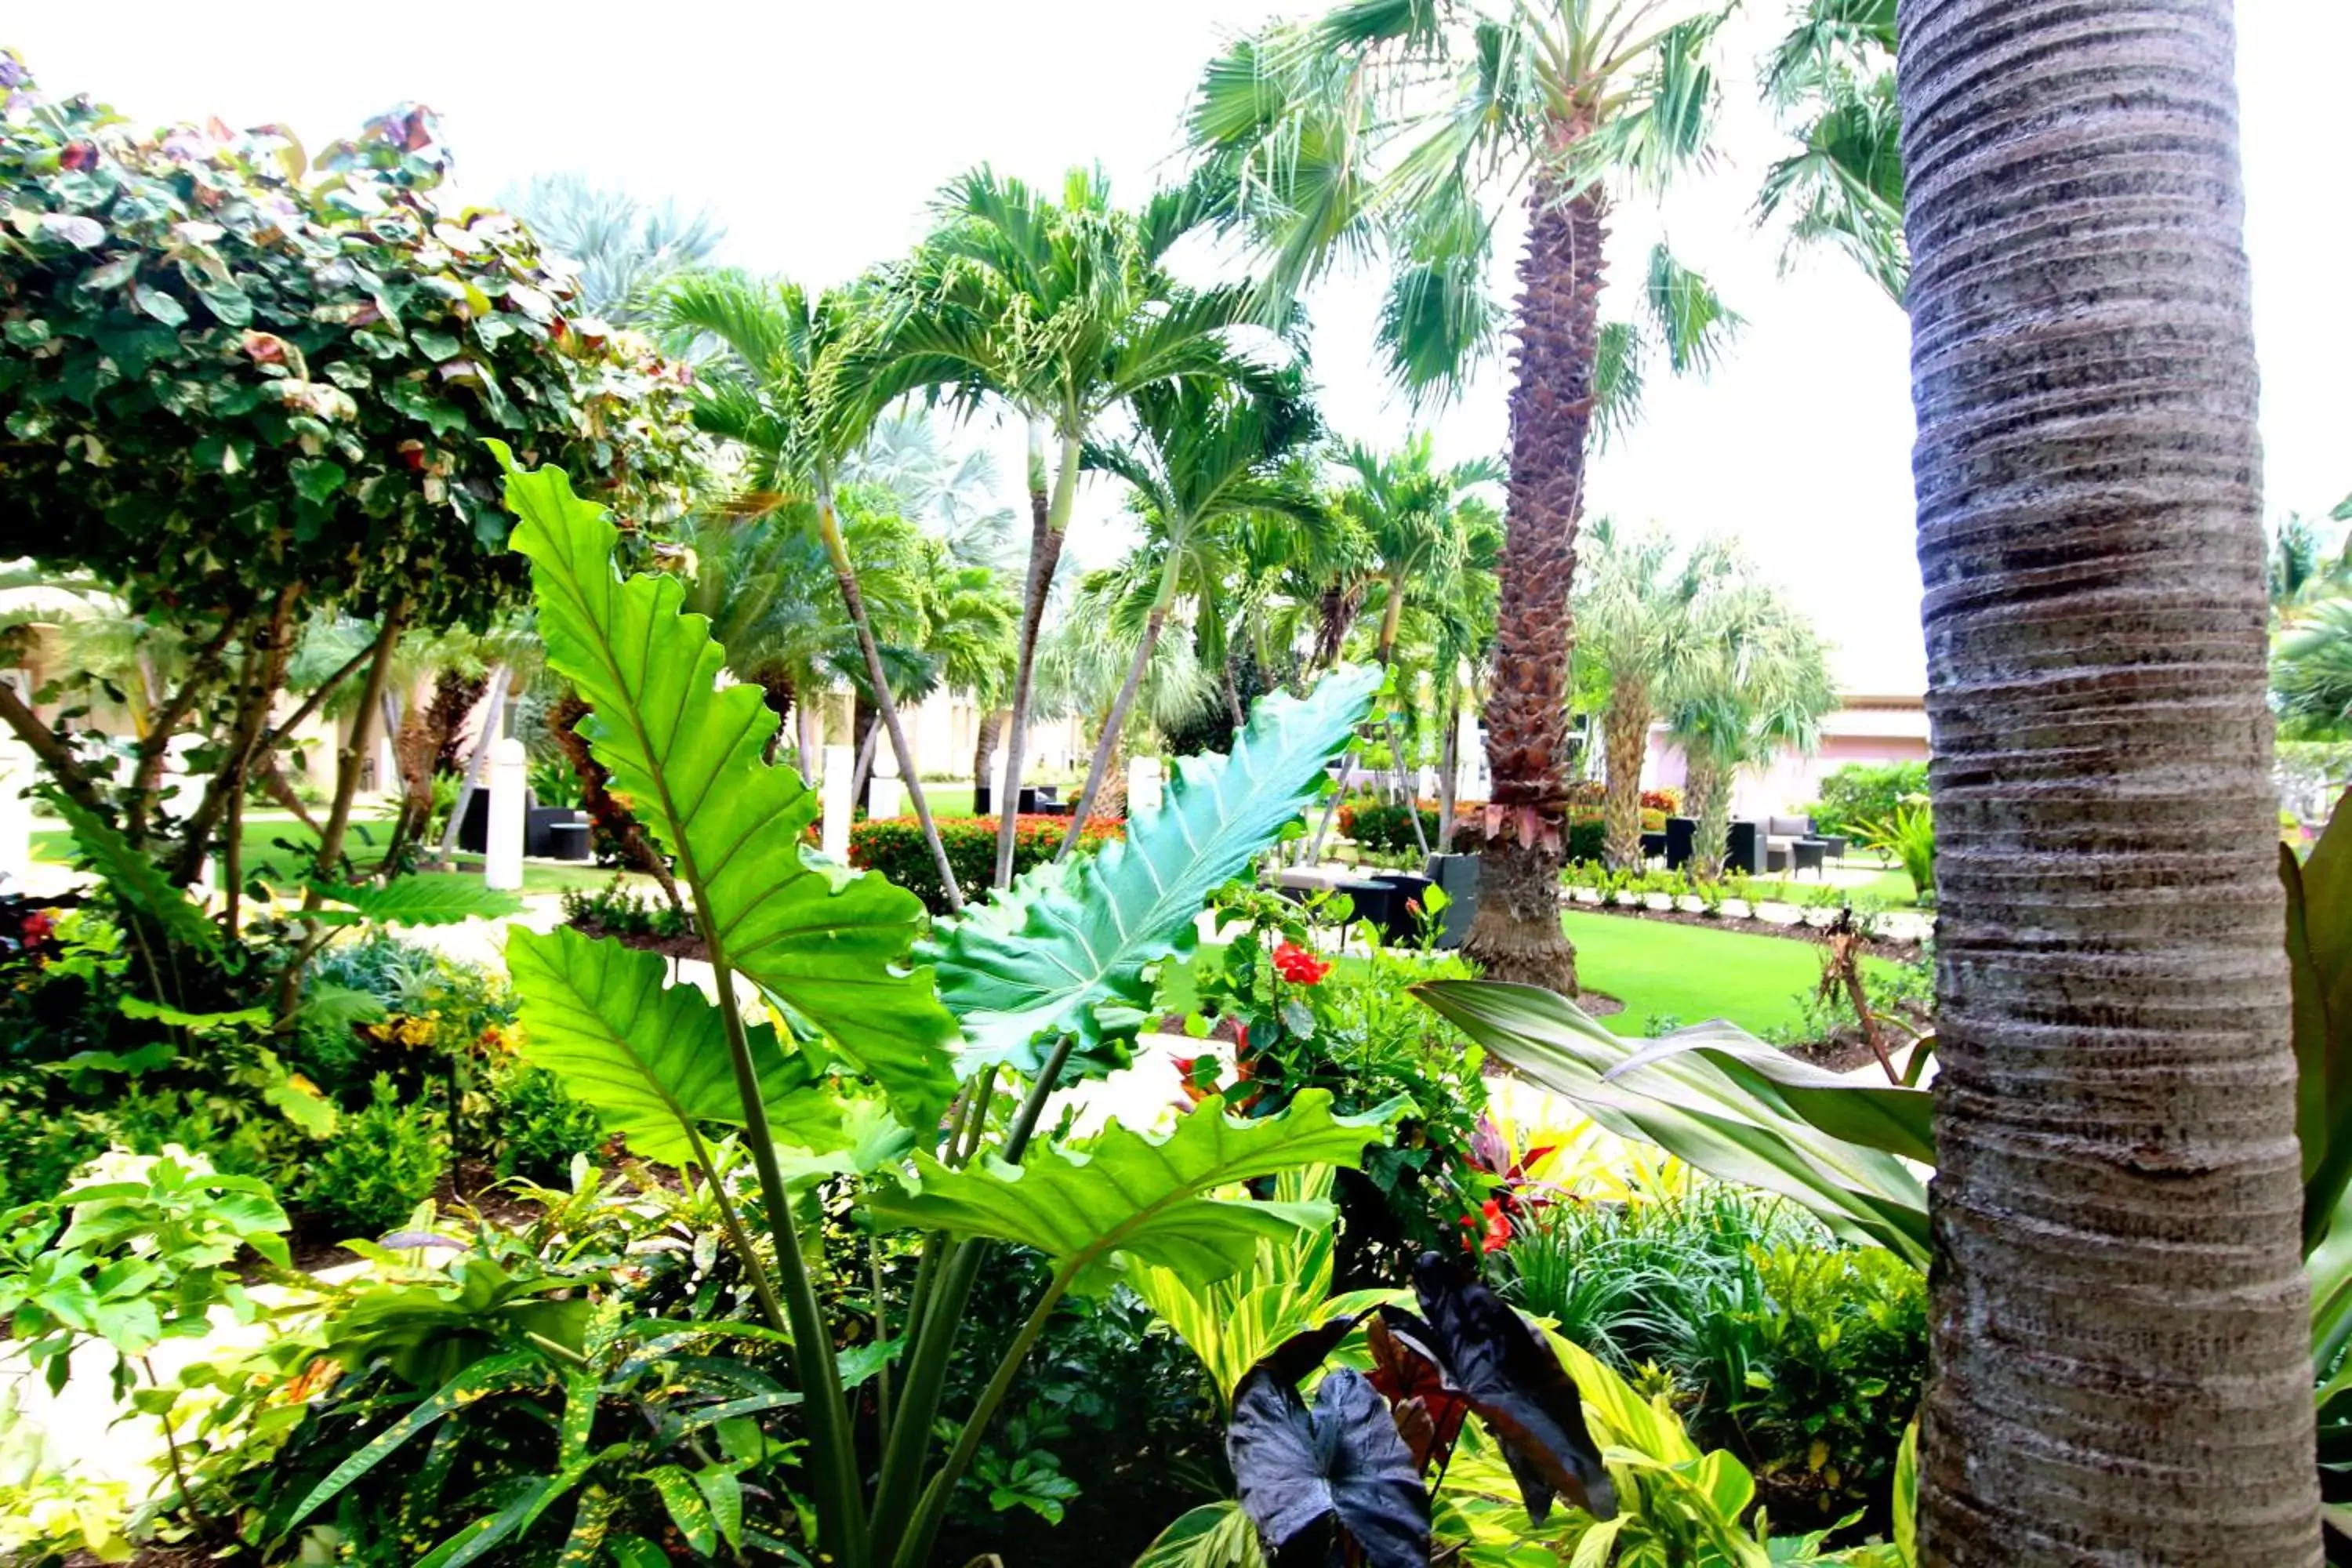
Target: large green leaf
(688, 754)
(1064, 951)
(1149, 1198)
(2319, 966)
(1722, 1110)
(134, 880)
(650, 1060)
(424, 900)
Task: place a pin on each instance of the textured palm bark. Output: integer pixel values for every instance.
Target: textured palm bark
(1707, 800)
(1045, 557)
(990, 726)
(2120, 1327)
(1625, 742)
(1109, 742)
(1334, 615)
(1516, 935)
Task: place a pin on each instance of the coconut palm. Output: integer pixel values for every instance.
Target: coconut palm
(1759, 685)
(1642, 604)
(2119, 1315)
(780, 394)
(1402, 126)
(1063, 311)
(1082, 665)
(1200, 456)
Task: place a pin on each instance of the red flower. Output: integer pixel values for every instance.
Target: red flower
(1298, 966)
(36, 927)
(1497, 1233)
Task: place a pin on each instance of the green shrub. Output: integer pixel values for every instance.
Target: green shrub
(894, 846)
(1861, 793)
(1804, 1357)
(380, 1164)
(1909, 834)
(614, 911)
(39, 1149)
(537, 1128)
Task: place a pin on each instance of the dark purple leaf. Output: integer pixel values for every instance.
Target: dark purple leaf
(1518, 1388)
(1314, 1482)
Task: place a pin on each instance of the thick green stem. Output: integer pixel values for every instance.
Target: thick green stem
(915, 1547)
(762, 1287)
(841, 1513)
(932, 1338)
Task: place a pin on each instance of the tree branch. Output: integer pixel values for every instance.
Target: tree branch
(66, 769)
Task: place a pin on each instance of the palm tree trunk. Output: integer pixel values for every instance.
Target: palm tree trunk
(2119, 1316)
(1114, 726)
(1449, 764)
(777, 689)
(1707, 798)
(844, 574)
(1048, 517)
(990, 729)
(1516, 935)
(1625, 743)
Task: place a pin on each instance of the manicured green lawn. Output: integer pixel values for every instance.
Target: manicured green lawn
(1891, 888)
(1692, 973)
(277, 849)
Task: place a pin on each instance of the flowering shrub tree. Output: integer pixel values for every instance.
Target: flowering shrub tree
(242, 388)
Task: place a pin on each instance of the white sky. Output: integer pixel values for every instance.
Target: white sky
(817, 132)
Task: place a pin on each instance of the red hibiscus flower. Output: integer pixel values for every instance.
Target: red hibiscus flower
(1299, 965)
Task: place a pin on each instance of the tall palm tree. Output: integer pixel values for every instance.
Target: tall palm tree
(781, 396)
(1199, 458)
(1082, 665)
(2119, 1316)
(1641, 604)
(1759, 685)
(1403, 126)
(1063, 309)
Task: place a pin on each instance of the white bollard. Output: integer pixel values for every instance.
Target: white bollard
(1470, 781)
(996, 776)
(885, 795)
(510, 772)
(840, 775)
(182, 790)
(1143, 786)
(16, 812)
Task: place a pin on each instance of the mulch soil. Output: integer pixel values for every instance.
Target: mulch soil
(684, 945)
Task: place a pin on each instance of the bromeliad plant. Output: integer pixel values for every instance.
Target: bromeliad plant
(836, 1059)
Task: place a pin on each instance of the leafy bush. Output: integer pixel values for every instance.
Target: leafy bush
(1803, 1357)
(1909, 835)
(614, 911)
(1862, 793)
(1354, 1030)
(381, 1164)
(537, 1127)
(894, 846)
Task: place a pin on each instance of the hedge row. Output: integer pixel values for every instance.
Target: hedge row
(894, 846)
(1377, 824)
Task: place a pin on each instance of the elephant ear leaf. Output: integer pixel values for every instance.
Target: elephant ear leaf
(650, 1060)
(1331, 1482)
(1149, 1198)
(690, 754)
(1064, 950)
(1515, 1384)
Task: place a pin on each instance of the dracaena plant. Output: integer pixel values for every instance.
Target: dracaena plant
(837, 1047)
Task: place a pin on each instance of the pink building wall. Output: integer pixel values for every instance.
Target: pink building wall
(1790, 780)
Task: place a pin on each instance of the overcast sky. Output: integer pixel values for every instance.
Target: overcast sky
(817, 132)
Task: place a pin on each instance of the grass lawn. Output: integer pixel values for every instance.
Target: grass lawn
(1891, 888)
(277, 849)
(1657, 968)
(1692, 973)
